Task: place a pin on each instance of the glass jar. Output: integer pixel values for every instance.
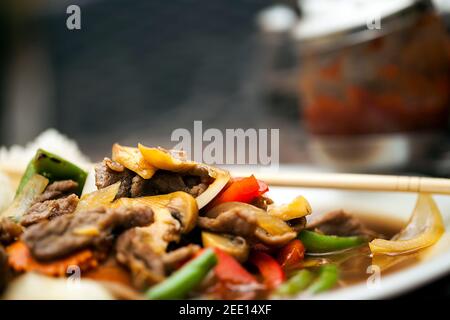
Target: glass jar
(370, 90)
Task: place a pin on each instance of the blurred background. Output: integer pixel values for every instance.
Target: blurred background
(353, 85)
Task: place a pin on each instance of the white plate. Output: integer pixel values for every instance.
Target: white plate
(396, 205)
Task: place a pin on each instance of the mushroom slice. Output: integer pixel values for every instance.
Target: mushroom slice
(178, 205)
(174, 213)
(233, 245)
(269, 229)
(184, 208)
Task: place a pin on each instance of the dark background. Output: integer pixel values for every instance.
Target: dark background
(139, 69)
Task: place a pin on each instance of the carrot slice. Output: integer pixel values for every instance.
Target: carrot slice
(20, 259)
(110, 273)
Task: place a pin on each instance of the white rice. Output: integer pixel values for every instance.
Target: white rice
(16, 158)
(6, 191)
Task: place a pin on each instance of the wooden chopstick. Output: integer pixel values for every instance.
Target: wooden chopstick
(367, 182)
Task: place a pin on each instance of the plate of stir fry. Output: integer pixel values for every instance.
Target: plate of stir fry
(147, 223)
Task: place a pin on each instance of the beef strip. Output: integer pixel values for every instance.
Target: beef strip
(173, 258)
(138, 185)
(341, 223)
(235, 221)
(57, 190)
(194, 182)
(66, 234)
(274, 240)
(164, 182)
(105, 176)
(146, 266)
(298, 224)
(4, 269)
(9, 231)
(114, 165)
(59, 198)
(49, 209)
(262, 202)
(240, 219)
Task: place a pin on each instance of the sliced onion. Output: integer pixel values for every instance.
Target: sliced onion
(22, 202)
(424, 229)
(298, 208)
(100, 198)
(221, 178)
(132, 159)
(89, 184)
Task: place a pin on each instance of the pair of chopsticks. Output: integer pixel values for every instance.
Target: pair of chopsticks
(364, 182)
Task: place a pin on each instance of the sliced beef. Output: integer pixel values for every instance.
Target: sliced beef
(147, 268)
(66, 234)
(138, 185)
(50, 209)
(274, 240)
(106, 176)
(341, 223)
(262, 202)
(57, 190)
(240, 219)
(114, 165)
(59, 198)
(164, 182)
(297, 224)
(235, 221)
(194, 182)
(173, 258)
(4, 269)
(9, 231)
(197, 180)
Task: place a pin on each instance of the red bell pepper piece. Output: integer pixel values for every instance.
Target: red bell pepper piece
(229, 270)
(291, 254)
(241, 190)
(269, 268)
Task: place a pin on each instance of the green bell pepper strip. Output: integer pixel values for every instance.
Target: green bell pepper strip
(297, 283)
(327, 279)
(178, 285)
(318, 243)
(53, 168)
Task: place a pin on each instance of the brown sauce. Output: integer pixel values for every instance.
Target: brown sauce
(387, 226)
(357, 265)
